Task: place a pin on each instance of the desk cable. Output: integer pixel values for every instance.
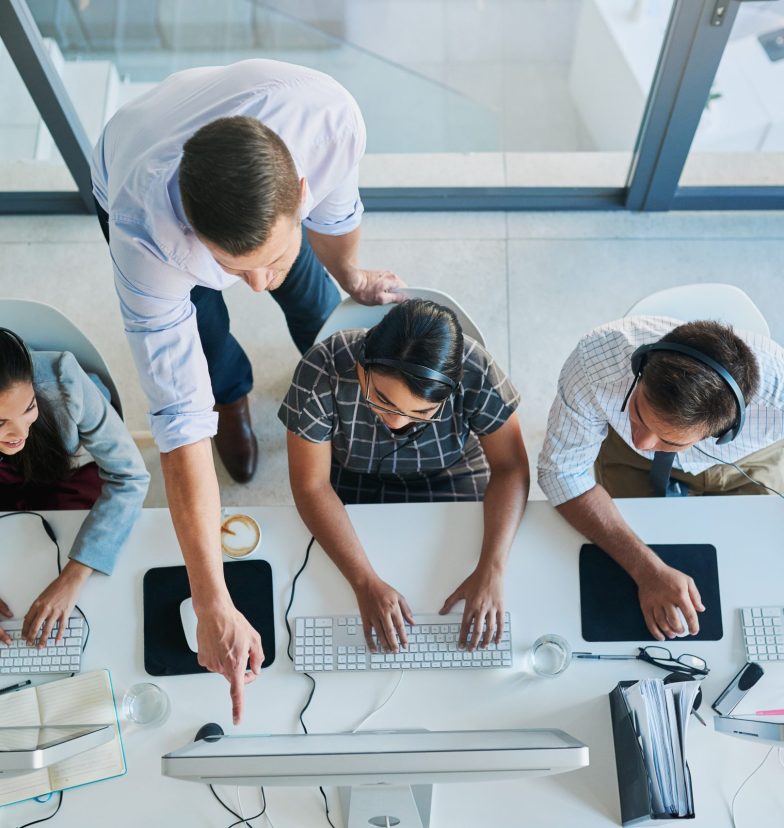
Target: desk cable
(50, 532)
(241, 818)
(291, 659)
(739, 469)
(748, 779)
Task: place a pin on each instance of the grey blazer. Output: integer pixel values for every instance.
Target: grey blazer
(87, 419)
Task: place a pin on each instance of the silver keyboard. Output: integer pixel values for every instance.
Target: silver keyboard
(763, 633)
(327, 643)
(64, 656)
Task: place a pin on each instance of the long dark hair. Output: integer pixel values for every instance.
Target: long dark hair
(422, 333)
(44, 458)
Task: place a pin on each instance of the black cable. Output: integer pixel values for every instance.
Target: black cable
(326, 806)
(291, 596)
(291, 659)
(53, 814)
(50, 532)
(240, 819)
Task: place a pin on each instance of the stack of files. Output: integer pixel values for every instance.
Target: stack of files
(650, 727)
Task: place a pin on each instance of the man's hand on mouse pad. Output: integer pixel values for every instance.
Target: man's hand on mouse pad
(664, 590)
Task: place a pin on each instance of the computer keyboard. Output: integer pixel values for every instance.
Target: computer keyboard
(327, 643)
(64, 656)
(763, 633)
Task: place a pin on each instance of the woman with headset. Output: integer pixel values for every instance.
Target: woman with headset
(410, 410)
(62, 446)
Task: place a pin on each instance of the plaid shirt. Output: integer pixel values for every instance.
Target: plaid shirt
(435, 461)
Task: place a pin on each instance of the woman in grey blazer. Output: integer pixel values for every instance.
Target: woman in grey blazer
(62, 446)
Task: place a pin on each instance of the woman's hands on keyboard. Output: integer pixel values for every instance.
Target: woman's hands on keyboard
(384, 610)
(54, 605)
(483, 592)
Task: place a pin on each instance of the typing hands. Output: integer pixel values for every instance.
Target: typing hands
(483, 593)
(660, 593)
(53, 606)
(226, 642)
(384, 610)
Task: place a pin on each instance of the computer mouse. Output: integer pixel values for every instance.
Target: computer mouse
(189, 623)
(679, 615)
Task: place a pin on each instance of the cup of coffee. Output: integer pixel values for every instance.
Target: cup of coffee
(240, 535)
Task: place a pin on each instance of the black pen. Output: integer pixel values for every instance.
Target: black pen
(15, 687)
(602, 656)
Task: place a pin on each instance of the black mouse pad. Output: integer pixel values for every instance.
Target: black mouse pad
(609, 606)
(166, 652)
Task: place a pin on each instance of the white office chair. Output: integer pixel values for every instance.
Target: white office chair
(44, 328)
(350, 314)
(723, 303)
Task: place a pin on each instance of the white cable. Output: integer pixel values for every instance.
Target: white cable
(383, 703)
(743, 784)
(239, 805)
(739, 469)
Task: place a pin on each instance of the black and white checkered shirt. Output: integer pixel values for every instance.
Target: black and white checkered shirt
(433, 461)
(591, 388)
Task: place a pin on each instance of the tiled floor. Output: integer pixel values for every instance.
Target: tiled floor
(534, 282)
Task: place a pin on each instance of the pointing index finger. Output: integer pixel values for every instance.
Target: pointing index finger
(237, 691)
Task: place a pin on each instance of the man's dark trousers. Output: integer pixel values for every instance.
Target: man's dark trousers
(306, 297)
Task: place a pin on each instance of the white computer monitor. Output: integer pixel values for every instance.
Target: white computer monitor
(381, 773)
(26, 749)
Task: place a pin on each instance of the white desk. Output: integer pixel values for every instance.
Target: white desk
(424, 550)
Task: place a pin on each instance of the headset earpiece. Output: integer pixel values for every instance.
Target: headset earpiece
(640, 357)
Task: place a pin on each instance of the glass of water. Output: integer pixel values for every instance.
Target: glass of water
(548, 656)
(145, 704)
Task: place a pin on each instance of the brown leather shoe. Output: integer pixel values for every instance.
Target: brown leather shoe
(235, 440)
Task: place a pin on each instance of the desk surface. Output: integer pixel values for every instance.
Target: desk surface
(425, 550)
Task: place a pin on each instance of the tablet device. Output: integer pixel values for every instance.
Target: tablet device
(609, 606)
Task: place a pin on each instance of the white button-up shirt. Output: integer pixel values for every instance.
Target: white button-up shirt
(591, 388)
(157, 257)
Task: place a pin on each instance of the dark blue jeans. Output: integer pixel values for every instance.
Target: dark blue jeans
(306, 297)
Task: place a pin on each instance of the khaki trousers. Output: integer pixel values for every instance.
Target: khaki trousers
(624, 473)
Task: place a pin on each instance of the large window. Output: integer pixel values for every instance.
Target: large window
(740, 138)
(474, 104)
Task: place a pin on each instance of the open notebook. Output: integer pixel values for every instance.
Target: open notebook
(83, 699)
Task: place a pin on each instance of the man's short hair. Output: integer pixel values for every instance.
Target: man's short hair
(237, 178)
(688, 393)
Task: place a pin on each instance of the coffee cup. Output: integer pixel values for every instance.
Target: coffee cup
(240, 535)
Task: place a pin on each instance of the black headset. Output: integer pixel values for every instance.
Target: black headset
(411, 368)
(640, 357)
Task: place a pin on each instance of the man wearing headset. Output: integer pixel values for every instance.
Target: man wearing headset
(648, 406)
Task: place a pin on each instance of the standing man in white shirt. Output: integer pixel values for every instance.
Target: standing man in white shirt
(207, 179)
(672, 424)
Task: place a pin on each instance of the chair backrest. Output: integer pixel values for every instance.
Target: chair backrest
(724, 303)
(350, 314)
(44, 328)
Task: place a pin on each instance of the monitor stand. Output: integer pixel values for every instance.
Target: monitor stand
(397, 806)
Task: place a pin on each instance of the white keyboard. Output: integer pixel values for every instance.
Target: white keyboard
(64, 656)
(763, 633)
(327, 643)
